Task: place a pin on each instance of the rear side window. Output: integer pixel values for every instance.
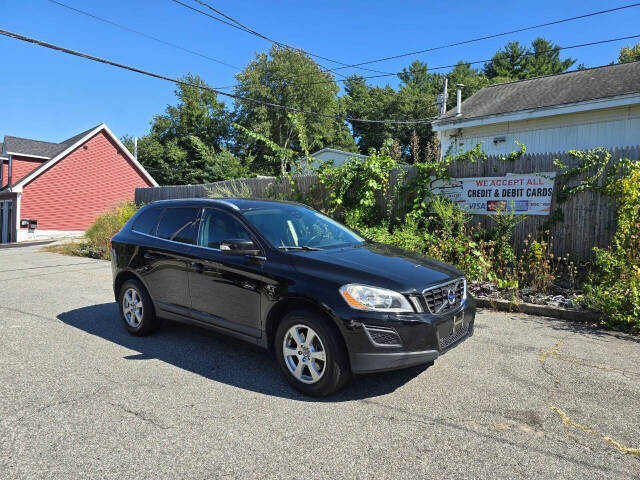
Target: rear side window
(179, 224)
(147, 220)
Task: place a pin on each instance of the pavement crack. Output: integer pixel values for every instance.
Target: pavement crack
(553, 352)
(569, 422)
(23, 413)
(597, 366)
(142, 416)
(544, 354)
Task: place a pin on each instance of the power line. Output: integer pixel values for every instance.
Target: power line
(487, 37)
(137, 32)
(281, 44)
(236, 24)
(443, 67)
(203, 87)
(123, 27)
(241, 28)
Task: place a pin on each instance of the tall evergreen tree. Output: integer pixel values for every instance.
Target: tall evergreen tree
(517, 62)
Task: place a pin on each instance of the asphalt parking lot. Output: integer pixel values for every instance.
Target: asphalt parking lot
(526, 397)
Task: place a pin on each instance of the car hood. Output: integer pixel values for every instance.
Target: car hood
(375, 264)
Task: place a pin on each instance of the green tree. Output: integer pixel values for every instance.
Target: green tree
(417, 98)
(414, 99)
(472, 79)
(629, 54)
(362, 101)
(291, 78)
(517, 62)
(189, 142)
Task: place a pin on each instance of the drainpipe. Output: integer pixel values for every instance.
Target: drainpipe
(459, 99)
(9, 171)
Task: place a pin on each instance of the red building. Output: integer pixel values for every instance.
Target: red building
(56, 189)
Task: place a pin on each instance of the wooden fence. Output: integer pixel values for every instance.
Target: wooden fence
(589, 217)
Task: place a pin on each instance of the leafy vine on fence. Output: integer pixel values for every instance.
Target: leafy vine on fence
(437, 169)
(613, 286)
(600, 171)
(354, 186)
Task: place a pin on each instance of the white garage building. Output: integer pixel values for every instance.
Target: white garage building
(597, 107)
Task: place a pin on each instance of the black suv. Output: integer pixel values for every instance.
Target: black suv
(283, 276)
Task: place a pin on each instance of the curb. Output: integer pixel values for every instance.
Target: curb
(540, 310)
(34, 243)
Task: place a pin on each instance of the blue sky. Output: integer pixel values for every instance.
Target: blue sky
(51, 96)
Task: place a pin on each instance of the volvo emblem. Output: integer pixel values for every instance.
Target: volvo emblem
(451, 297)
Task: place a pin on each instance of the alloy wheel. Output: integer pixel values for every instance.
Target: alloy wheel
(304, 354)
(132, 307)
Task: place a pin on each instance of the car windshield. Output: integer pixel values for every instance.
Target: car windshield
(295, 227)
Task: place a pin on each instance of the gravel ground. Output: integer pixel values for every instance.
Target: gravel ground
(525, 397)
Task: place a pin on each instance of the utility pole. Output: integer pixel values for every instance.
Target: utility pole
(135, 148)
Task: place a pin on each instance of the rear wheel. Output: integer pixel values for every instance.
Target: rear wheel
(136, 309)
(311, 354)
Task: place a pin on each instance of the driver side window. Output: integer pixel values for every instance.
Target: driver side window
(218, 226)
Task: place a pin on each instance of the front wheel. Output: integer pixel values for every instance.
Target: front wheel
(311, 354)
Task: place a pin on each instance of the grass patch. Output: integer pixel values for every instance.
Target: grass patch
(76, 248)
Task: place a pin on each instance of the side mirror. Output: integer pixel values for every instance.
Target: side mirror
(238, 246)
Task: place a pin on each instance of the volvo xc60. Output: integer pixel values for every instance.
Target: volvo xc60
(283, 276)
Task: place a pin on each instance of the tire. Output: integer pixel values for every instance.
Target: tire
(136, 309)
(302, 363)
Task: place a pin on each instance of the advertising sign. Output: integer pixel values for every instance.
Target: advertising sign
(526, 194)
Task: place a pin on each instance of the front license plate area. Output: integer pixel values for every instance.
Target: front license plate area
(451, 331)
(451, 326)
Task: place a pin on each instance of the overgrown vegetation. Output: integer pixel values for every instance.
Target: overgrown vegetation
(613, 286)
(436, 227)
(95, 243)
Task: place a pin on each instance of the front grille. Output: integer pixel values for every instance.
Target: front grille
(382, 336)
(449, 340)
(437, 298)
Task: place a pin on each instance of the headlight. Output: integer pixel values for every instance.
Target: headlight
(363, 297)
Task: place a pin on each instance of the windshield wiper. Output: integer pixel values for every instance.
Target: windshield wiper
(299, 247)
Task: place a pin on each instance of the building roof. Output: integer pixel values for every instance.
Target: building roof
(342, 152)
(549, 91)
(38, 148)
(66, 147)
(26, 146)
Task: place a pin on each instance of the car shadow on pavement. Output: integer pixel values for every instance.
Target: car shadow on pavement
(220, 358)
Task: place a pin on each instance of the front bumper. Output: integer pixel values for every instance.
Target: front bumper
(420, 338)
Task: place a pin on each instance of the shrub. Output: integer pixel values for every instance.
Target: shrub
(613, 287)
(536, 266)
(232, 189)
(105, 226)
(444, 235)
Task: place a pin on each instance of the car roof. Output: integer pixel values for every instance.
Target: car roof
(238, 204)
